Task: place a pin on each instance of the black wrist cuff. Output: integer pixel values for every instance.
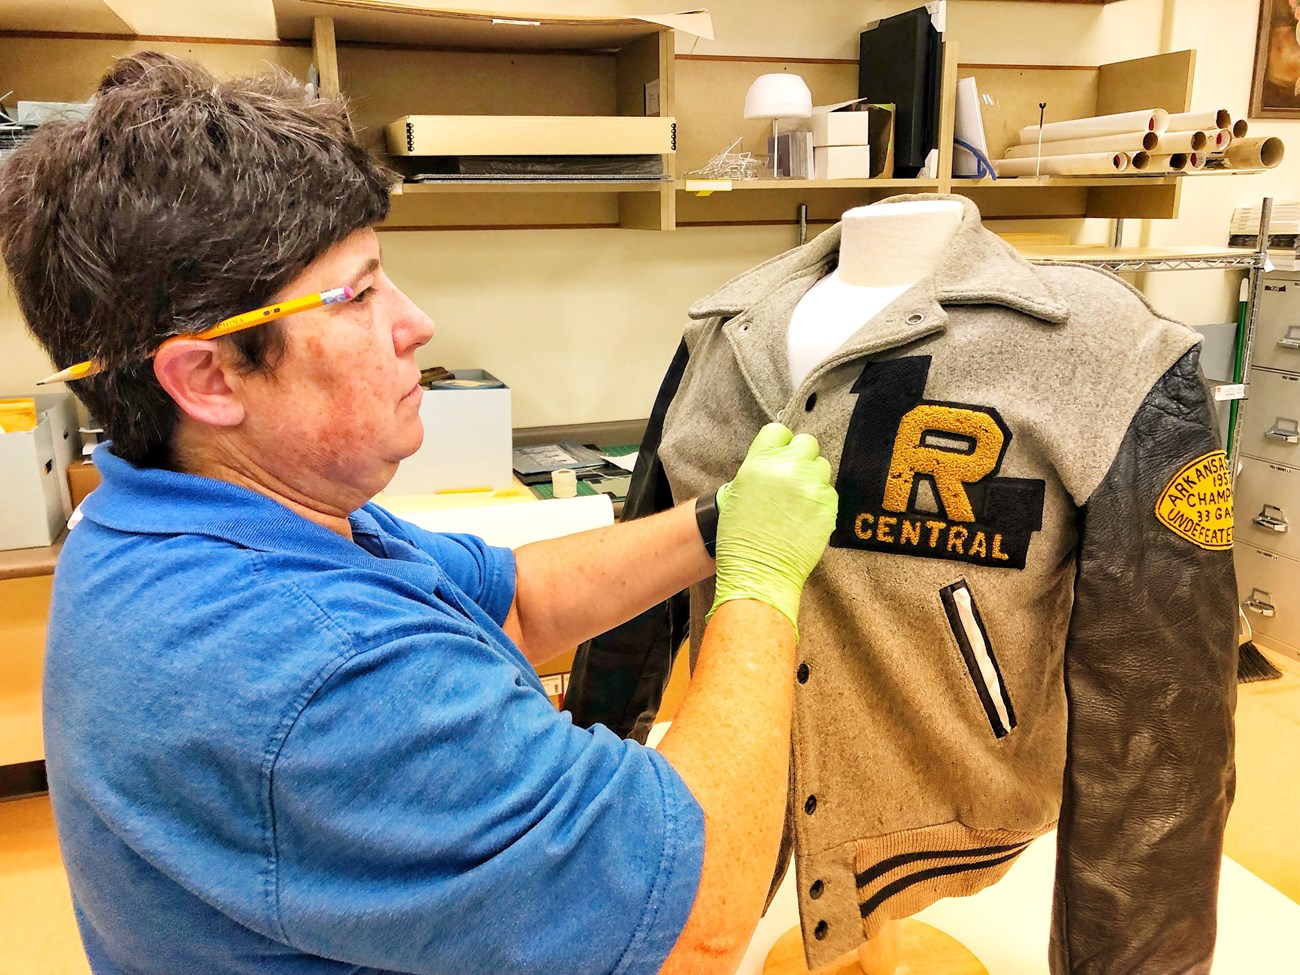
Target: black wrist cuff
(706, 516)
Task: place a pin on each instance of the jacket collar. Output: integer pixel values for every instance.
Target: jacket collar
(978, 269)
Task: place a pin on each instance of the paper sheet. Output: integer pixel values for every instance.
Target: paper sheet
(513, 525)
(969, 128)
(627, 461)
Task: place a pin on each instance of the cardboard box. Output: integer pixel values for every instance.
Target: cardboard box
(530, 135)
(842, 162)
(467, 438)
(83, 477)
(31, 502)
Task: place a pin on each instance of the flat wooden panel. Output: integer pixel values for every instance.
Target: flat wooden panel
(24, 562)
(778, 206)
(947, 116)
(642, 211)
(70, 69)
(1163, 81)
(636, 64)
(710, 103)
(1157, 202)
(519, 209)
(1045, 202)
(326, 55)
(383, 85)
(1015, 92)
(61, 15)
(378, 21)
(25, 605)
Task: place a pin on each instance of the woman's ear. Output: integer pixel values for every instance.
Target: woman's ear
(204, 386)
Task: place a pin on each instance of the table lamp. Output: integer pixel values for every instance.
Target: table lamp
(778, 96)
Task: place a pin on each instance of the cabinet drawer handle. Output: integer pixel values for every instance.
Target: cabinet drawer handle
(1259, 603)
(1285, 429)
(1291, 340)
(1272, 518)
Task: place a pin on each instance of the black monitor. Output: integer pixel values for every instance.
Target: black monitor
(900, 60)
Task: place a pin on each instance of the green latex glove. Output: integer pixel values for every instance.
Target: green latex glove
(774, 519)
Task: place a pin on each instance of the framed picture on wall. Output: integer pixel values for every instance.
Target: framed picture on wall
(1275, 86)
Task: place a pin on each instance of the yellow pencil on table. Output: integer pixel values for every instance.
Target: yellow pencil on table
(237, 323)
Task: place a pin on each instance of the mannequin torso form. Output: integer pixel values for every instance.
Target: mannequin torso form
(884, 250)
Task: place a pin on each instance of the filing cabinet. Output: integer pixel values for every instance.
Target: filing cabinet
(1267, 522)
(1277, 329)
(1270, 425)
(1268, 586)
(1267, 507)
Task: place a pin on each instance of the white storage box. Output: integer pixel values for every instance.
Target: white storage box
(530, 135)
(31, 500)
(65, 437)
(842, 162)
(836, 126)
(467, 438)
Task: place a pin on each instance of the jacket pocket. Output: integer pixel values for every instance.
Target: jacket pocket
(973, 641)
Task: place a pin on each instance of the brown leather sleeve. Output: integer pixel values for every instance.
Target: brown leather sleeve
(1151, 683)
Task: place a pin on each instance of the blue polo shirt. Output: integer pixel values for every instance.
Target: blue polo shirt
(274, 750)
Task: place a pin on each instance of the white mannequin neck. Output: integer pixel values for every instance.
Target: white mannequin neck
(884, 250)
(895, 244)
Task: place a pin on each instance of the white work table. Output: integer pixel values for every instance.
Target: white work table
(1006, 926)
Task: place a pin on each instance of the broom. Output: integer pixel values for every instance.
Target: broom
(1251, 664)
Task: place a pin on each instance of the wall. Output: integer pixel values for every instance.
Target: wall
(582, 323)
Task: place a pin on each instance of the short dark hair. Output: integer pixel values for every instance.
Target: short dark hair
(179, 201)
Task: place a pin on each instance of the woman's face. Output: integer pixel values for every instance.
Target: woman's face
(342, 407)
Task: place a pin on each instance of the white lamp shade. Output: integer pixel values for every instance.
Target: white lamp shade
(778, 96)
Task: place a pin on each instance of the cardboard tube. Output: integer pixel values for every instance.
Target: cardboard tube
(1239, 128)
(1189, 141)
(1220, 139)
(1148, 120)
(1196, 161)
(1083, 164)
(1218, 119)
(1263, 153)
(1128, 142)
(1160, 163)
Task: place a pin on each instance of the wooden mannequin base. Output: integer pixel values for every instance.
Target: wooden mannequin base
(920, 950)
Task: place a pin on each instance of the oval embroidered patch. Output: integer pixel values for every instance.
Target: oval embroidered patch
(1197, 502)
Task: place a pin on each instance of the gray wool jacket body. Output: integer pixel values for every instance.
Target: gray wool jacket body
(1005, 635)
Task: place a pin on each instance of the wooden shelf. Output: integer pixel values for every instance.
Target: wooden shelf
(22, 563)
(1101, 254)
(538, 186)
(392, 60)
(1030, 182)
(912, 185)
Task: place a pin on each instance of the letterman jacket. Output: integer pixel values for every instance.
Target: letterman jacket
(1026, 615)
